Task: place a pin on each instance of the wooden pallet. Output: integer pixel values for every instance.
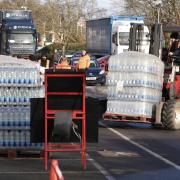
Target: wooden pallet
(127, 118)
(21, 154)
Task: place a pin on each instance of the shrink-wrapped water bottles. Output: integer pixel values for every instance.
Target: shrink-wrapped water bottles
(20, 81)
(134, 83)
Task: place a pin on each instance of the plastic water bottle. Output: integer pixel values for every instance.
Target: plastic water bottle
(11, 117)
(5, 76)
(1, 138)
(16, 80)
(21, 116)
(17, 138)
(1, 116)
(16, 116)
(11, 138)
(5, 117)
(28, 138)
(22, 138)
(27, 117)
(6, 138)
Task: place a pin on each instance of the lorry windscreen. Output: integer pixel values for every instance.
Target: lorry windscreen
(21, 38)
(124, 38)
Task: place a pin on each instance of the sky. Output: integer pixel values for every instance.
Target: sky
(107, 4)
(104, 3)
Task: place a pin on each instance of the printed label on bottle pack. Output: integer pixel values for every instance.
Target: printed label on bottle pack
(119, 86)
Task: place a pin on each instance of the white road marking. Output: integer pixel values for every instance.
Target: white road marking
(142, 147)
(104, 172)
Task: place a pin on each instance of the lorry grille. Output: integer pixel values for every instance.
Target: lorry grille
(22, 49)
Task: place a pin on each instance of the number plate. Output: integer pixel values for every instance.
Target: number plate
(90, 78)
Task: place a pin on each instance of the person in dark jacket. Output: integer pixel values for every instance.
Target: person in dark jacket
(44, 62)
(176, 51)
(57, 57)
(174, 38)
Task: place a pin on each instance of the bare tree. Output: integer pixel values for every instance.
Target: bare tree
(167, 10)
(59, 17)
(65, 15)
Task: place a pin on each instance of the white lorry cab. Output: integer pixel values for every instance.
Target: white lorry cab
(107, 36)
(120, 36)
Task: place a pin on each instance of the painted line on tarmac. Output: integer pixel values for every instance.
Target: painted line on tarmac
(142, 147)
(20, 172)
(103, 171)
(64, 172)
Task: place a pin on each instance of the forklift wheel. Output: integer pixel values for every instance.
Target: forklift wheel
(171, 115)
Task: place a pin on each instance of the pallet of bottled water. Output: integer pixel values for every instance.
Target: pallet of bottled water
(134, 84)
(140, 94)
(20, 81)
(130, 108)
(17, 139)
(13, 95)
(18, 72)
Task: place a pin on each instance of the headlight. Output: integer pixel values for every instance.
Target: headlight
(102, 72)
(8, 50)
(11, 41)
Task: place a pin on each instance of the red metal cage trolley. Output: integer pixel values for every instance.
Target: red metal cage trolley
(61, 87)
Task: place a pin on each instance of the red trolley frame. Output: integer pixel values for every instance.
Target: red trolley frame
(76, 115)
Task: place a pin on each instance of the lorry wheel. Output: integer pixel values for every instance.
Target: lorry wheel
(171, 115)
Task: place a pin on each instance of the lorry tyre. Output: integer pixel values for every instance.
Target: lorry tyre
(171, 115)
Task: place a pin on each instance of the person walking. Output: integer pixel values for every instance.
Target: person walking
(84, 61)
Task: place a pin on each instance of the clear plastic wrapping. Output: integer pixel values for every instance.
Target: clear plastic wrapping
(135, 79)
(134, 83)
(133, 61)
(20, 80)
(135, 94)
(144, 109)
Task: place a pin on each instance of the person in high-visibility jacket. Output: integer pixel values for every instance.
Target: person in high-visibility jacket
(64, 64)
(84, 61)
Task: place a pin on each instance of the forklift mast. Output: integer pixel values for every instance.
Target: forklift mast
(156, 41)
(136, 37)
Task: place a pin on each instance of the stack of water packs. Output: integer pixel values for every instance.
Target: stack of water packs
(19, 81)
(134, 83)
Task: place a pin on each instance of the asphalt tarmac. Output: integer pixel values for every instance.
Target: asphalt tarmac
(124, 152)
